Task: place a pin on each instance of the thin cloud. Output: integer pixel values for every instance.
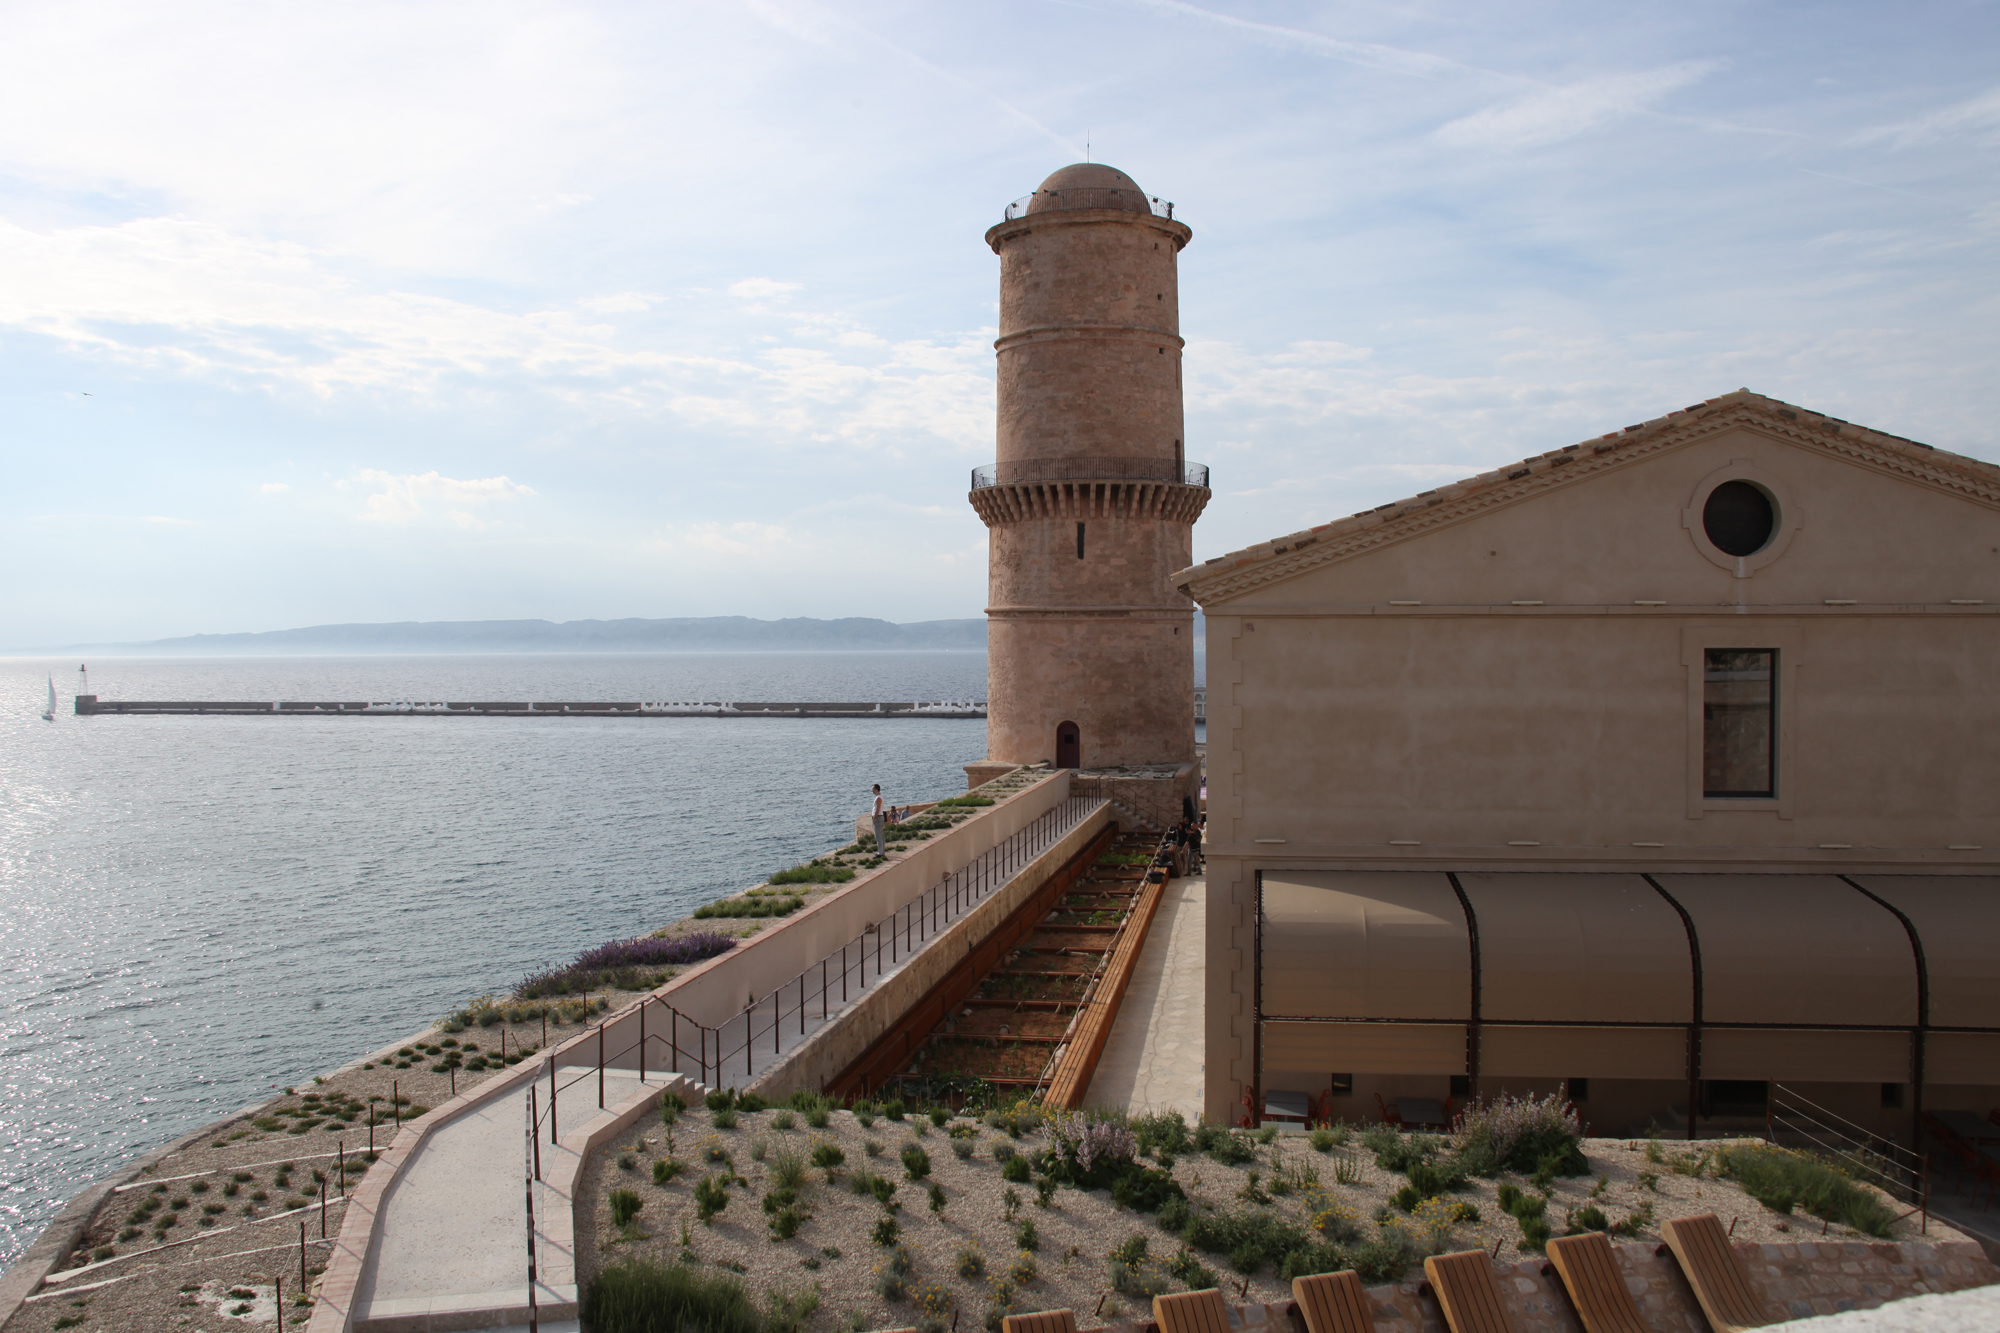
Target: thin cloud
(1977, 117)
(1552, 115)
(273, 488)
(401, 497)
(1374, 55)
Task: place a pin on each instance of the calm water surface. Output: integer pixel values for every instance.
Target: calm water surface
(200, 910)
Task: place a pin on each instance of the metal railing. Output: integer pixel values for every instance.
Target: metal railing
(1028, 470)
(1157, 811)
(1793, 1121)
(1132, 201)
(670, 1043)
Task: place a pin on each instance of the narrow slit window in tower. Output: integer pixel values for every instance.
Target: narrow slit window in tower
(1079, 541)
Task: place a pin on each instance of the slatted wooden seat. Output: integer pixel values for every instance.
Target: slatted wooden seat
(1333, 1303)
(1045, 1321)
(1712, 1269)
(1589, 1269)
(1464, 1286)
(1192, 1312)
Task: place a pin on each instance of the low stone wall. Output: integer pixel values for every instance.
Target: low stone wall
(838, 1044)
(1794, 1282)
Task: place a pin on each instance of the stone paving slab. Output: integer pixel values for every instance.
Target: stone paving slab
(451, 1238)
(1152, 1060)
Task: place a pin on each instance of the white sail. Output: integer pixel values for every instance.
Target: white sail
(50, 716)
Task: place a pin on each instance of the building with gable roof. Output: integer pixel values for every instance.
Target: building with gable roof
(1659, 769)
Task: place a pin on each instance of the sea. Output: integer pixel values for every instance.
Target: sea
(198, 911)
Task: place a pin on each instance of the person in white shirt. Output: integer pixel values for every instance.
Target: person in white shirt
(880, 820)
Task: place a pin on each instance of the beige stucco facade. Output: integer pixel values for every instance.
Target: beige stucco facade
(1497, 688)
(1089, 503)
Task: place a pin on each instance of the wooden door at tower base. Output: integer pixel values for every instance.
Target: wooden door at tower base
(1069, 746)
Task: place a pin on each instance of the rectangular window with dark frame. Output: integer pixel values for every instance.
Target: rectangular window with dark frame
(1739, 717)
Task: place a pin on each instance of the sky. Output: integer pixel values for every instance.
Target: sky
(441, 310)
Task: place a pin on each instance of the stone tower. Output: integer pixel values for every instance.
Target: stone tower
(1091, 504)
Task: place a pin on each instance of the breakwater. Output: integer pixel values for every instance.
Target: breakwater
(90, 705)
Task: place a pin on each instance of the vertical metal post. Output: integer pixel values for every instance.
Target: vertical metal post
(674, 1025)
(534, 1120)
(642, 1039)
(396, 1103)
(302, 1259)
(600, 1066)
(340, 1168)
(843, 973)
(802, 1002)
(534, 1314)
(822, 984)
(552, 1101)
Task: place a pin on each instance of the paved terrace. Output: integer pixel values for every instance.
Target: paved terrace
(439, 1241)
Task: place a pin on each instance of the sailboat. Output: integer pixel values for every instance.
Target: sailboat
(50, 716)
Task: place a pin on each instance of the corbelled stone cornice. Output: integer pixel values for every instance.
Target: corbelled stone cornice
(1020, 502)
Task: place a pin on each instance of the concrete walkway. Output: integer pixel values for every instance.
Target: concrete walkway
(451, 1238)
(1153, 1058)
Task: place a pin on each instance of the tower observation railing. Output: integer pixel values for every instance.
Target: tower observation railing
(1095, 197)
(1028, 470)
(737, 1050)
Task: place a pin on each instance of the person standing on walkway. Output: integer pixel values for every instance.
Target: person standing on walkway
(880, 820)
(1194, 848)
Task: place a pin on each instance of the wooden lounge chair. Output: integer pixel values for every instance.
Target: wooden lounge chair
(1464, 1287)
(1192, 1312)
(1710, 1265)
(1589, 1269)
(1333, 1303)
(1045, 1321)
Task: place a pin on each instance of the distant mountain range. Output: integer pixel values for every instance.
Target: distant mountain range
(693, 634)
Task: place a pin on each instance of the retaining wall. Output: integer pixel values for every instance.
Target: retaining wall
(841, 1042)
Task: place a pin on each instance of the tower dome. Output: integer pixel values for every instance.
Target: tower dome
(1089, 185)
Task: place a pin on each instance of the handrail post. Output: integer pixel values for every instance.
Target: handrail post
(534, 1115)
(642, 1039)
(552, 1099)
(600, 1065)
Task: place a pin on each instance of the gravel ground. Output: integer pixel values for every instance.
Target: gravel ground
(833, 1249)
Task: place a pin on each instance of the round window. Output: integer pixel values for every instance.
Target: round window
(1739, 518)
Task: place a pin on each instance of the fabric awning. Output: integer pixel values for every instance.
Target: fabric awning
(1577, 948)
(1375, 1048)
(1797, 949)
(1958, 919)
(1583, 1052)
(1365, 944)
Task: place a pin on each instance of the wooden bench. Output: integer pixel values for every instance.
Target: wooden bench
(1464, 1287)
(1711, 1268)
(1192, 1312)
(1589, 1269)
(1333, 1303)
(1045, 1321)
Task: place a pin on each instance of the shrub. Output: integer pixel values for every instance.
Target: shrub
(711, 1196)
(666, 1169)
(916, 1162)
(1782, 1181)
(749, 1103)
(625, 964)
(892, 1275)
(1250, 1237)
(1587, 1218)
(873, 1147)
(938, 1116)
(893, 1109)
(1432, 1177)
(1024, 1270)
(1015, 1169)
(751, 907)
(1223, 1146)
(814, 872)
(784, 1120)
(886, 1231)
(1162, 1131)
(1026, 1236)
(640, 1296)
(719, 1099)
(1002, 1150)
(625, 1205)
(1191, 1272)
(970, 1262)
(1536, 1233)
(1521, 1134)
(826, 1156)
(1399, 1152)
(724, 1119)
(936, 1196)
(962, 1149)
(788, 1169)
